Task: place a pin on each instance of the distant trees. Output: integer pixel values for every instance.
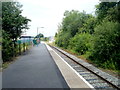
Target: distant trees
(95, 37)
(39, 35)
(12, 24)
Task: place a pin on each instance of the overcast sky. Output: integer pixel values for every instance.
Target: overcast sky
(49, 13)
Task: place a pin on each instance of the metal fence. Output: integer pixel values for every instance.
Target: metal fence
(23, 44)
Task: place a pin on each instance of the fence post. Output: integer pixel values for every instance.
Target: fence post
(13, 53)
(19, 49)
(24, 47)
(15, 48)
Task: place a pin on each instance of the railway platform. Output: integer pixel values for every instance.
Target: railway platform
(73, 79)
(41, 67)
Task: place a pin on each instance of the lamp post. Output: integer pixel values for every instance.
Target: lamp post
(38, 28)
(37, 34)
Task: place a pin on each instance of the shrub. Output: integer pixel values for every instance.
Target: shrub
(107, 43)
(81, 43)
(7, 50)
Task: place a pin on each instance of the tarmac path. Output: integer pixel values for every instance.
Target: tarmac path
(35, 69)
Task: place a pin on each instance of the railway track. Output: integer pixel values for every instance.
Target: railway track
(97, 78)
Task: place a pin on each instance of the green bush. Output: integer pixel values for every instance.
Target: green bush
(7, 50)
(81, 43)
(107, 44)
(63, 40)
(11, 49)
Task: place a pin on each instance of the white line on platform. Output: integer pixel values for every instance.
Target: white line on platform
(49, 48)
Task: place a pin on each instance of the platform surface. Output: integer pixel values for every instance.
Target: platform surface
(35, 69)
(73, 79)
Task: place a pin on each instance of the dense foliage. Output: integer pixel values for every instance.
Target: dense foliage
(95, 37)
(107, 44)
(12, 24)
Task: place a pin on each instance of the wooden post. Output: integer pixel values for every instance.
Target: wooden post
(19, 49)
(24, 46)
(13, 50)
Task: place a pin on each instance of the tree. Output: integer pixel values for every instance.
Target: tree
(72, 22)
(12, 20)
(113, 14)
(39, 35)
(103, 8)
(88, 26)
(95, 37)
(12, 24)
